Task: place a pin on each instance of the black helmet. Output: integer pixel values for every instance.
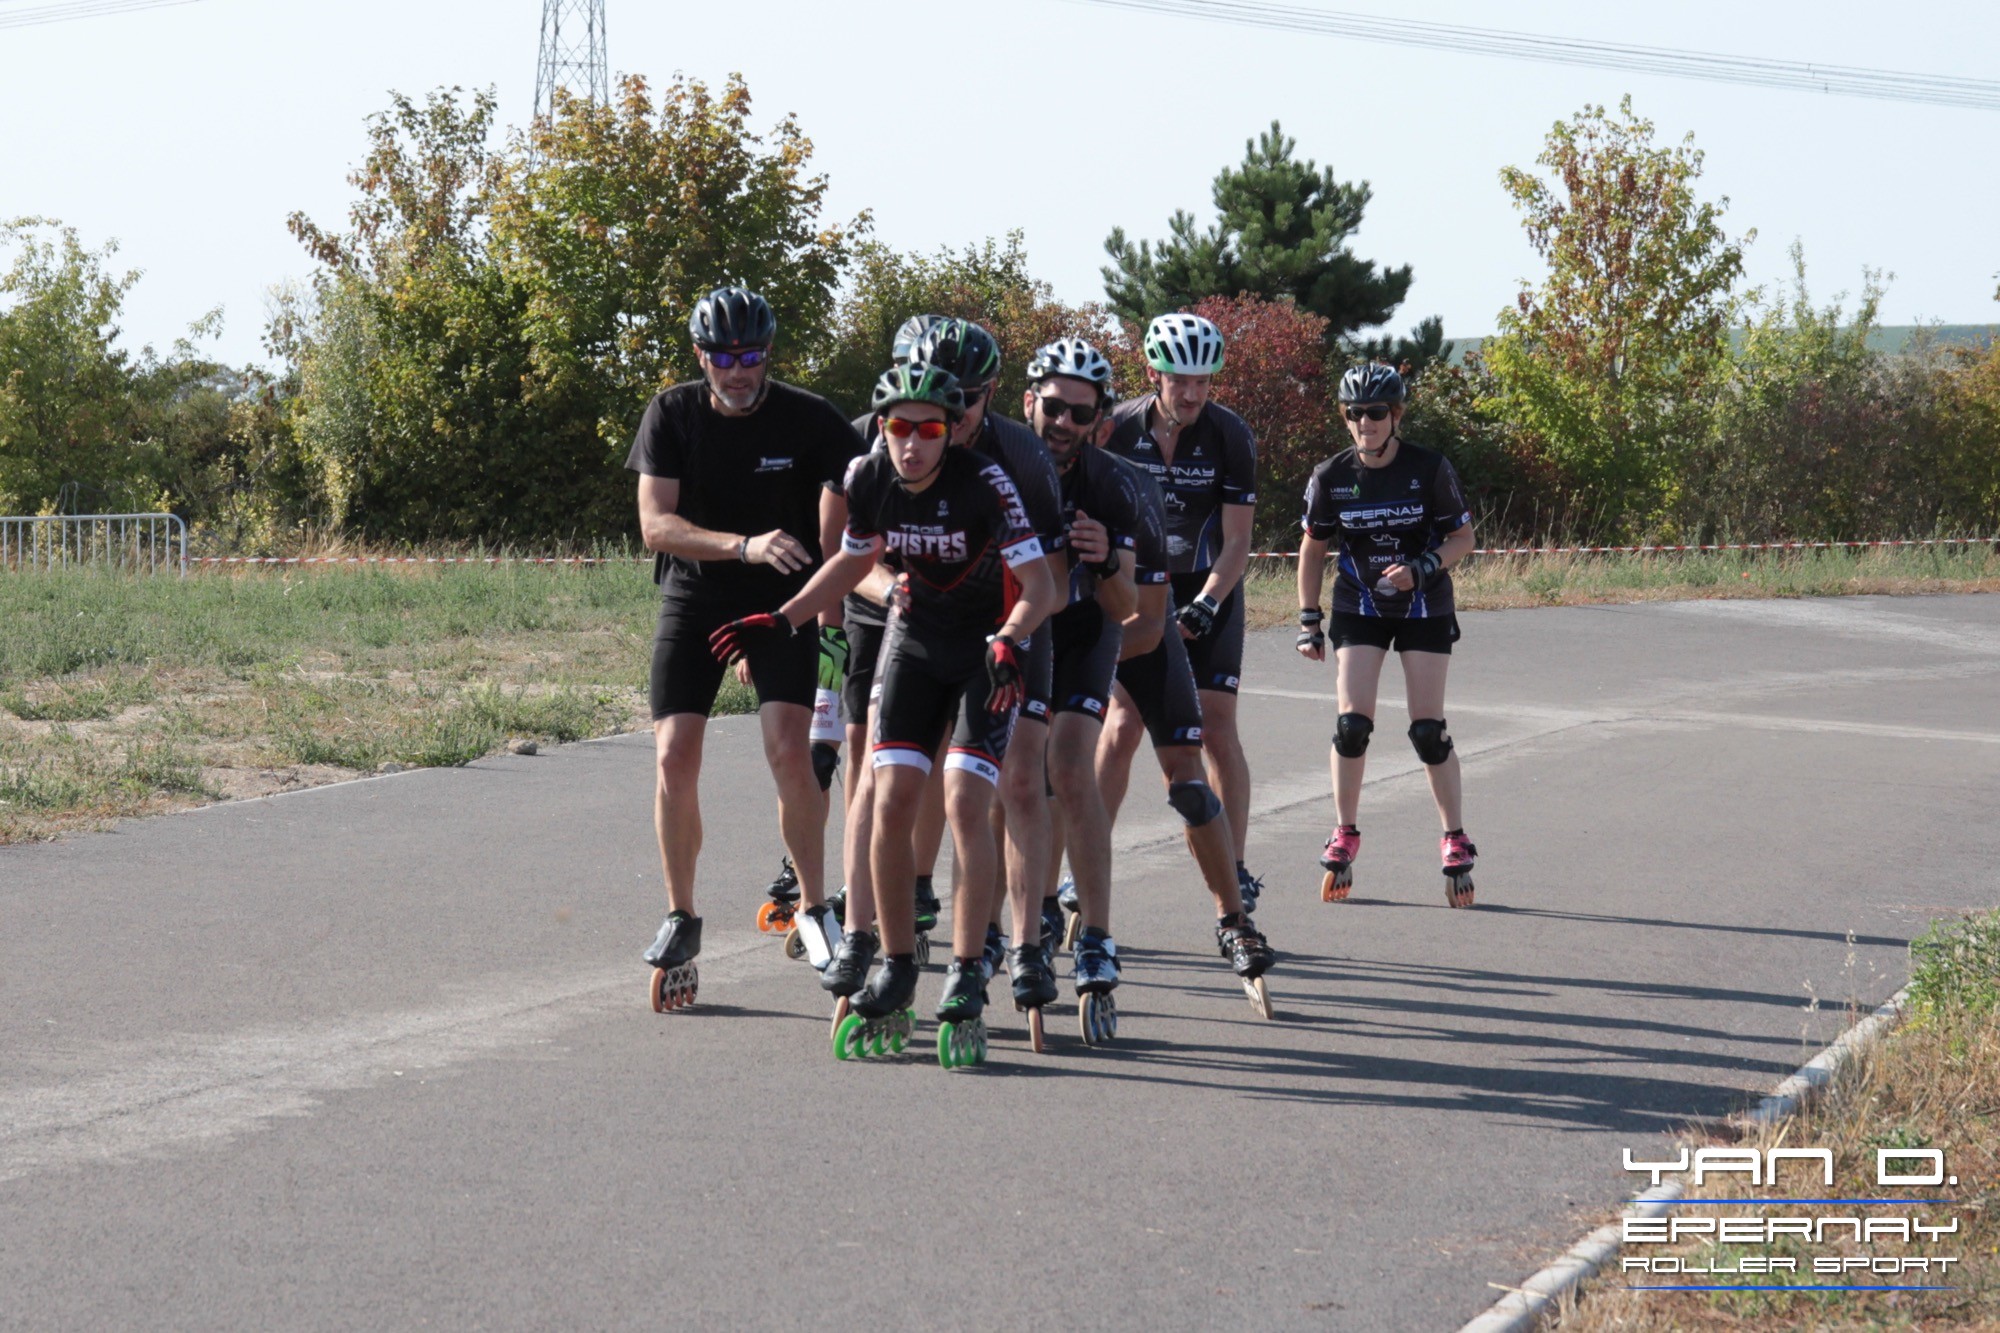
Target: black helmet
(916, 382)
(1372, 383)
(732, 317)
(968, 351)
(914, 328)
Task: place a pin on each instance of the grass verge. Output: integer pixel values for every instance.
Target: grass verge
(1499, 583)
(1933, 1083)
(124, 695)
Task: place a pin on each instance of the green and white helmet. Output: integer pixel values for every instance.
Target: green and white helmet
(1183, 345)
(918, 382)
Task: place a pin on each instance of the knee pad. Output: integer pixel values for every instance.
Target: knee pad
(1427, 735)
(1350, 735)
(826, 762)
(1195, 802)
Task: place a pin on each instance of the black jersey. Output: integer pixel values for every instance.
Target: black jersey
(1109, 489)
(957, 539)
(1215, 464)
(746, 474)
(1382, 516)
(856, 609)
(1026, 459)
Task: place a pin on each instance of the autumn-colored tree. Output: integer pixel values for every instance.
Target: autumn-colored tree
(988, 283)
(1612, 362)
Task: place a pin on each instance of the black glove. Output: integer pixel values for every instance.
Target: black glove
(739, 636)
(1107, 568)
(1003, 670)
(1310, 635)
(1198, 616)
(1421, 568)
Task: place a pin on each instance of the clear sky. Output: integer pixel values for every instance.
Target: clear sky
(189, 133)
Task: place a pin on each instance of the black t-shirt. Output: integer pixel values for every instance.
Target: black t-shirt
(957, 540)
(1376, 517)
(746, 475)
(1110, 490)
(1215, 464)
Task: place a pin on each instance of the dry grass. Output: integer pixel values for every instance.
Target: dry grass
(1933, 1083)
(1502, 583)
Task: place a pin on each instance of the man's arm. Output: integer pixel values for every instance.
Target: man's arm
(666, 531)
(831, 582)
(832, 522)
(1234, 557)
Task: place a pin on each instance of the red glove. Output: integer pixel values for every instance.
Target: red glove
(736, 638)
(1003, 673)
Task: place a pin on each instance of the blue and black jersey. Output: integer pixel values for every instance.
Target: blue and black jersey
(1375, 517)
(1214, 464)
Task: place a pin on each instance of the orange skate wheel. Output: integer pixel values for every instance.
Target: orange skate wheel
(764, 915)
(658, 991)
(1334, 888)
(1035, 1035)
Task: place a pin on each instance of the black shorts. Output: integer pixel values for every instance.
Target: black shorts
(685, 674)
(1421, 634)
(1216, 658)
(1163, 690)
(864, 646)
(1038, 669)
(919, 686)
(1086, 658)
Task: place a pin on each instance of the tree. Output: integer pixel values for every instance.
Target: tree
(65, 438)
(485, 335)
(1611, 363)
(988, 283)
(1282, 232)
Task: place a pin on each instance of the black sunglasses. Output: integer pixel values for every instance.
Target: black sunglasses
(1373, 411)
(730, 360)
(1054, 407)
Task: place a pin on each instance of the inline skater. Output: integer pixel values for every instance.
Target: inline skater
(1068, 405)
(1204, 458)
(955, 526)
(1156, 686)
(721, 460)
(1399, 517)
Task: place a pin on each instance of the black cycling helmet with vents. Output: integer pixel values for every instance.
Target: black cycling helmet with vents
(1372, 383)
(732, 317)
(965, 349)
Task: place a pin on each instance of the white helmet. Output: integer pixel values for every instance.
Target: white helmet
(1183, 345)
(1072, 358)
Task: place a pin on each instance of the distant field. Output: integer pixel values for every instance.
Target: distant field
(124, 695)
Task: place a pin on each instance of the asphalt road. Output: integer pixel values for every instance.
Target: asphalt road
(378, 1055)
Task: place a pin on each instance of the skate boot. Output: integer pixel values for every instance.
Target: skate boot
(1034, 986)
(672, 956)
(928, 905)
(879, 1018)
(1249, 957)
(814, 935)
(962, 1034)
(1338, 859)
(1095, 960)
(995, 954)
(1054, 930)
(1459, 854)
(837, 900)
(777, 914)
(1249, 887)
(848, 971)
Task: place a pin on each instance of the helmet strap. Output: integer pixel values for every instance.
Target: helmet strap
(1392, 438)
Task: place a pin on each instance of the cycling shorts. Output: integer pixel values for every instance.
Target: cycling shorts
(1161, 687)
(685, 675)
(919, 686)
(1406, 634)
(1086, 645)
(1216, 658)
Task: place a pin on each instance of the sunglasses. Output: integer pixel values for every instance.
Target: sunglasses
(1373, 411)
(1053, 408)
(901, 428)
(973, 397)
(730, 360)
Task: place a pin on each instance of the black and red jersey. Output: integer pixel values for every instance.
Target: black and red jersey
(956, 539)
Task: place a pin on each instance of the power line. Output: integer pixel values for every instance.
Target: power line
(1797, 76)
(79, 9)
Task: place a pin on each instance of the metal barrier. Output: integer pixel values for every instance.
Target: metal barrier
(147, 543)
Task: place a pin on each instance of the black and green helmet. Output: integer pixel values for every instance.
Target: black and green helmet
(913, 328)
(918, 382)
(965, 349)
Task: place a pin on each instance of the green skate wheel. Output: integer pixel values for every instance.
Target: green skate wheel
(878, 1041)
(947, 1047)
(847, 1038)
(979, 1044)
(899, 1036)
